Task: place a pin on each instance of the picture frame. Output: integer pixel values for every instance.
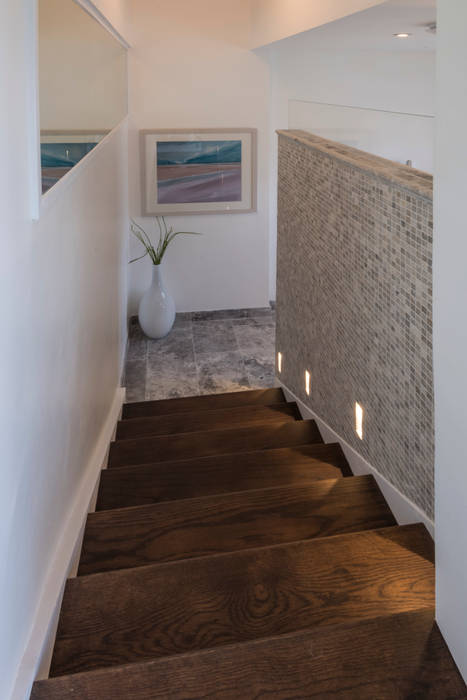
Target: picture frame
(198, 171)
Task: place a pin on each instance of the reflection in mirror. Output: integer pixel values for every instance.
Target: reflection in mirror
(82, 86)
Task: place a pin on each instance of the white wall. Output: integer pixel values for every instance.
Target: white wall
(82, 70)
(394, 135)
(276, 19)
(378, 81)
(62, 296)
(233, 259)
(191, 68)
(450, 328)
(114, 11)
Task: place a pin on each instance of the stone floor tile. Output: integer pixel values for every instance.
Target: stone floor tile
(175, 347)
(183, 320)
(265, 311)
(222, 372)
(213, 336)
(219, 315)
(260, 372)
(209, 355)
(135, 380)
(137, 348)
(170, 382)
(257, 340)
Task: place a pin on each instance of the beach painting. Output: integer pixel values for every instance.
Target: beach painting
(199, 171)
(60, 153)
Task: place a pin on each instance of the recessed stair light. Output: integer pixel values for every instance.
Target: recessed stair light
(307, 382)
(359, 420)
(279, 362)
(402, 35)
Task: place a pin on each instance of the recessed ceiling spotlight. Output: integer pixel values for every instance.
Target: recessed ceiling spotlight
(402, 35)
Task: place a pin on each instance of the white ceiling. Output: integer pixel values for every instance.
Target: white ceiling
(373, 29)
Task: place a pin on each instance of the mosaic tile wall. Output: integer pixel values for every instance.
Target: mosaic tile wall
(354, 301)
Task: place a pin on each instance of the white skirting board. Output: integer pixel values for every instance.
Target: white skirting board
(64, 562)
(405, 512)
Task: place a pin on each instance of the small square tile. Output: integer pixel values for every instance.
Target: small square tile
(354, 287)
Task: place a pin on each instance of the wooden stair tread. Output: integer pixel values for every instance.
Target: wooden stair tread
(393, 657)
(137, 614)
(229, 558)
(152, 483)
(211, 442)
(174, 530)
(206, 420)
(200, 403)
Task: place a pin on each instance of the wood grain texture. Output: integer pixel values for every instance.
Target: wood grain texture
(130, 537)
(396, 657)
(204, 476)
(200, 403)
(137, 614)
(212, 442)
(177, 423)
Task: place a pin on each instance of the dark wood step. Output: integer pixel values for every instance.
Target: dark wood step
(130, 537)
(394, 657)
(137, 614)
(204, 476)
(211, 442)
(206, 420)
(199, 403)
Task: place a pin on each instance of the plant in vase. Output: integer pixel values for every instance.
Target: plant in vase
(156, 311)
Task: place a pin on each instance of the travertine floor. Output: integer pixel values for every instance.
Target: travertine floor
(206, 352)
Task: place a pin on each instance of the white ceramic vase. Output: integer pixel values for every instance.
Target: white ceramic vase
(156, 312)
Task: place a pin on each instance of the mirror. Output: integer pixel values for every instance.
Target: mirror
(82, 86)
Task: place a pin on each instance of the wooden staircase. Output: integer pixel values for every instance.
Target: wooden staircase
(233, 555)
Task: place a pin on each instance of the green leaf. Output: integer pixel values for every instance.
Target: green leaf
(166, 236)
(140, 258)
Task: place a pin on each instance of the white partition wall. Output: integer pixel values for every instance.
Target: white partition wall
(63, 304)
(450, 328)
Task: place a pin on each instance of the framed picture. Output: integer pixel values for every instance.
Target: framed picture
(207, 171)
